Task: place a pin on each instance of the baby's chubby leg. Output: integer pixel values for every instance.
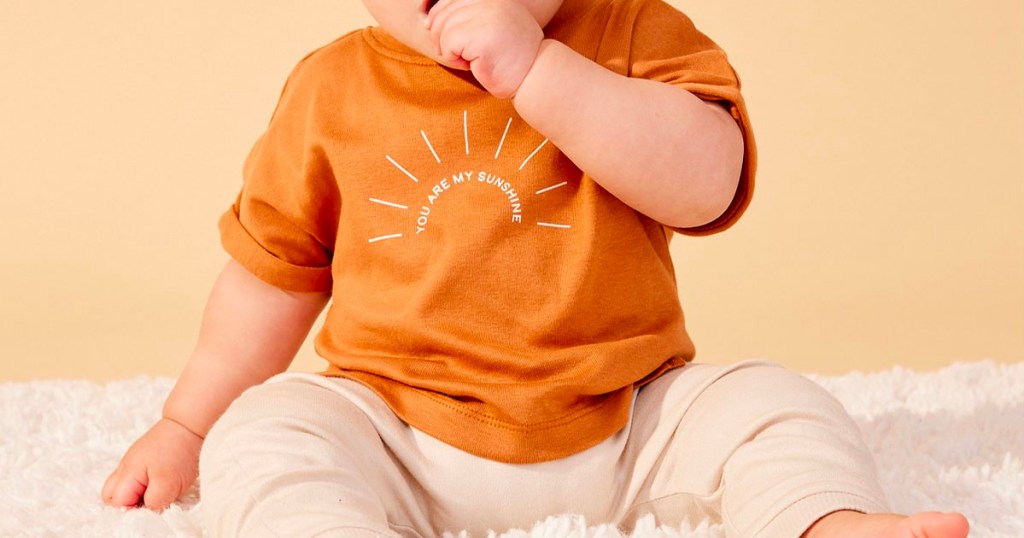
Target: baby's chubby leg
(292, 458)
(767, 451)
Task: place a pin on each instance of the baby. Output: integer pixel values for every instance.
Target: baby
(484, 190)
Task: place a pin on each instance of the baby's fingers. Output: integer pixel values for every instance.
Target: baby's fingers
(448, 40)
(121, 489)
(162, 491)
(437, 8)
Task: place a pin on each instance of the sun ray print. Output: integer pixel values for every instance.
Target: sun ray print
(551, 188)
(455, 179)
(542, 144)
(465, 128)
(400, 167)
(391, 204)
(429, 145)
(503, 135)
(385, 237)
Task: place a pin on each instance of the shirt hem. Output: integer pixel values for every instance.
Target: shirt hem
(487, 437)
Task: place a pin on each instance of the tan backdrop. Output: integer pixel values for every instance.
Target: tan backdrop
(888, 226)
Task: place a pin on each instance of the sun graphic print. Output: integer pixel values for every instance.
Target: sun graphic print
(506, 179)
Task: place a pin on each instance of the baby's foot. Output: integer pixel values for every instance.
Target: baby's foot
(845, 523)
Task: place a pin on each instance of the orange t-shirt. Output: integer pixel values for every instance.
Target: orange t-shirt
(491, 292)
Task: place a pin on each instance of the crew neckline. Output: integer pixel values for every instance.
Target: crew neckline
(387, 45)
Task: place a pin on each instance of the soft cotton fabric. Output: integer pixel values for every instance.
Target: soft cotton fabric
(494, 295)
(304, 455)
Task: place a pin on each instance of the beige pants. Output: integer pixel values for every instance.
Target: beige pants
(763, 450)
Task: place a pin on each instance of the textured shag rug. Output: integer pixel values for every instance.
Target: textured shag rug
(947, 440)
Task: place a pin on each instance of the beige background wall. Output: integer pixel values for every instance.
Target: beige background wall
(888, 226)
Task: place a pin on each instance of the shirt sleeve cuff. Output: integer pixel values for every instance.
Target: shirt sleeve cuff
(745, 188)
(251, 255)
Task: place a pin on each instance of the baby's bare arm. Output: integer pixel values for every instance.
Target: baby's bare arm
(250, 331)
(656, 147)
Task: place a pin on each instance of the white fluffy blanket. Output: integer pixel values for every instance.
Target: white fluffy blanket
(949, 440)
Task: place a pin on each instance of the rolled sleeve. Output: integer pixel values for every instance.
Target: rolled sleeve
(668, 48)
(283, 225)
(240, 244)
(745, 187)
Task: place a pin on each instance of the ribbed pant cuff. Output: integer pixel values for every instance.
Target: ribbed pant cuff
(799, 516)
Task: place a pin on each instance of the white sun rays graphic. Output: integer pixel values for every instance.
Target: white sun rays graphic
(433, 152)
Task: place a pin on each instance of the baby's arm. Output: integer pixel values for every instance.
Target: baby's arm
(658, 148)
(250, 331)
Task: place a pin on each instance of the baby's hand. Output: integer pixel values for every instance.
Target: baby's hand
(497, 39)
(157, 469)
